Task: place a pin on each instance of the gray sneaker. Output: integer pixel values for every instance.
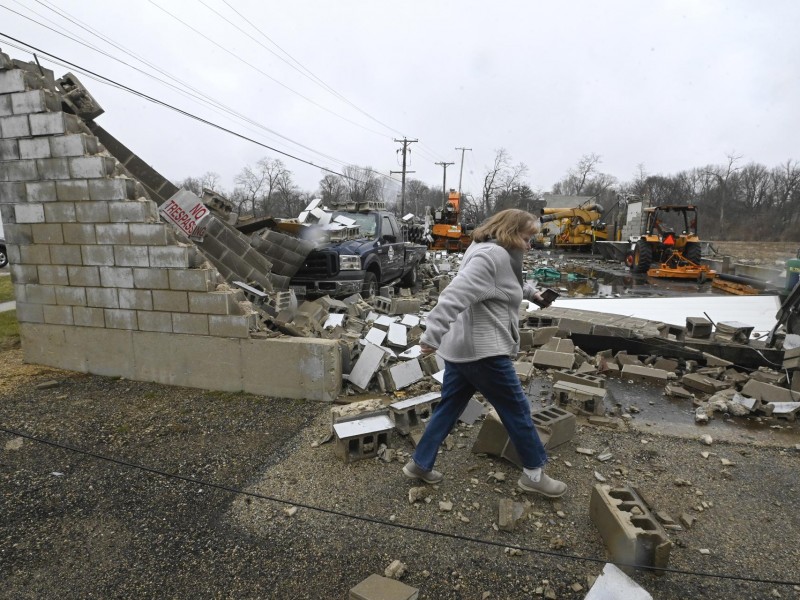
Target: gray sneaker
(413, 471)
(546, 486)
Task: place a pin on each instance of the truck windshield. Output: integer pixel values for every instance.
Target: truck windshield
(366, 222)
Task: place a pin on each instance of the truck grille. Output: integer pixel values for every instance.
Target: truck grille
(320, 264)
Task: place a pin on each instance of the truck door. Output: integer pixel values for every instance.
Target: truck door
(392, 249)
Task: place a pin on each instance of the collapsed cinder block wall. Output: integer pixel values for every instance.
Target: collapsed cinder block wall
(103, 286)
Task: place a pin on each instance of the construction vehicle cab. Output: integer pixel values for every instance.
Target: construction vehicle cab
(446, 233)
(669, 245)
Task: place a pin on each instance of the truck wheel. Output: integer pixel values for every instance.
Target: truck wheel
(409, 280)
(370, 286)
(642, 257)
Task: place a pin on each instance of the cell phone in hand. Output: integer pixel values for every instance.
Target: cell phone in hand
(548, 297)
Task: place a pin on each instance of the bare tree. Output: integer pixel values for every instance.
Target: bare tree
(499, 180)
(258, 184)
(723, 175)
(208, 180)
(332, 189)
(584, 179)
(362, 184)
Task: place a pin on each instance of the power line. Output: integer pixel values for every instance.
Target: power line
(390, 524)
(183, 112)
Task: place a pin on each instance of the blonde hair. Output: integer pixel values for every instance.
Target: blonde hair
(505, 228)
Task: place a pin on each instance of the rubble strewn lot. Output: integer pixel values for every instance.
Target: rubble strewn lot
(75, 526)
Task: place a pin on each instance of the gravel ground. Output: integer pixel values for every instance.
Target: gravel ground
(76, 526)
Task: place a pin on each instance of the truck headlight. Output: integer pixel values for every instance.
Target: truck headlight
(349, 262)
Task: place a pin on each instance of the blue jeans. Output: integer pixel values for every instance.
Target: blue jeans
(496, 379)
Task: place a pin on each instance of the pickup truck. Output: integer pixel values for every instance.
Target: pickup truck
(375, 257)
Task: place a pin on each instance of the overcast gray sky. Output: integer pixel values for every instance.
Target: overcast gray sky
(670, 85)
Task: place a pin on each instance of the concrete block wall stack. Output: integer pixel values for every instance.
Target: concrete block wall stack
(102, 286)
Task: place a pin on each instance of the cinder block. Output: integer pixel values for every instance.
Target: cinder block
(30, 313)
(376, 587)
(86, 316)
(11, 192)
(213, 303)
(102, 297)
(5, 103)
(70, 296)
(402, 306)
(34, 101)
(45, 233)
(406, 373)
(114, 233)
(57, 315)
(120, 319)
(52, 275)
(524, 370)
(704, 384)
(642, 373)
(191, 280)
(21, 274)
(91, 212)
(567, 327)
(33, 148)
(190, 324)
(130, 256)
(233, 326)
(555, 426)
(15, 127)
(12, 80)
(9, 149)
(152, 279)
(154, 321)
(767, 393)
(118, 188)
(40, 294)
(19, 234)
(97, 255)
(362, 438)
(412, 412)
(368, 363)
(61, 212)
(73, 191)
(65, 255)
(72, 145)
(587, 379)
(170, 301)
(116, 277)
(149, 234)
(630, 531)
(32, 255)
(135, 299)
(19, 170)
(698, 328)
(550, 359)
(57, 123)
(53, 168)
(169, 257)
(91, 167)
(583, 398)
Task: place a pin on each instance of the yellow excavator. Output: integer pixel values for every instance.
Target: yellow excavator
(446, 232)
(577, 228)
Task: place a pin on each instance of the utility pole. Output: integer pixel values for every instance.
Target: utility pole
(405, 143)
(444, 165)
(461, 172)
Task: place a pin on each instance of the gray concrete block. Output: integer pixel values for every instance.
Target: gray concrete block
(19, 234)
(102, 297)
(21, 274)
(97, 255)
(118, 189)
(170, 301)
(29, 213)
(135, 299)
(154, 321)
(191, 280)
(40, 294)
(583, 398)
(767, 393)
(214, 303)
(642, 373)
(120, 319)
(597, 381)
(33, 148)
(114, 233)
(53, 168)
(368, 363)
(5, 105)
(550, 359)
(86, 316)
(234, 326)
(34, 101)
(70, 296)
(57, 123)
(52, 275)
(153, 279)
(30, 313)
(19, 170)
(92, 212)
(149, 234)
(33, 255)
(60, 212)
(11, 192)
(9, 149)
(15, 127)
(704, 384)
(66, 255)
(57, 315)
(131, 256)
(554, 425)
(190, 324)
(72, 145)
(76, 233)
(83, 276)
(129, 211)
(73, 191)
(169, 257)
(45, 233)
(91, 167)
(11, 81)
(116, 277)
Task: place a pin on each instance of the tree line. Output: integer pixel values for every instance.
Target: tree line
(736, 201)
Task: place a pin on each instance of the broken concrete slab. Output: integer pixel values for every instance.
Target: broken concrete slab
(551, 359)
(634, 372)
(704, 384)
(472, 411)
(366, 366)
(614, 584)
(767, 393)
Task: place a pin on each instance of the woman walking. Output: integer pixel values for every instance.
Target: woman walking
(475, 329)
